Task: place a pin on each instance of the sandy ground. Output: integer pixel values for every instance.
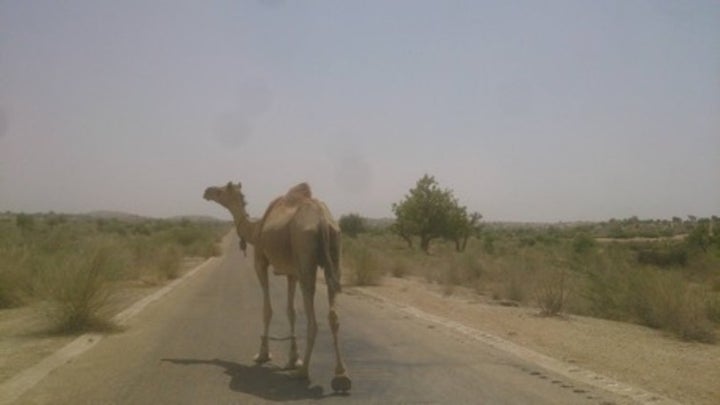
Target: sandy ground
(639, 356)
(686, 372)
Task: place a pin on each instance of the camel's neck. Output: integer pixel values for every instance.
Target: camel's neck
(244, 227)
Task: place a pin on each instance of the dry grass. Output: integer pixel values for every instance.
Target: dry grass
(168, 262)
(363, 263)
(571, 274)
(73, 263)
(551, 292)
(80, 290)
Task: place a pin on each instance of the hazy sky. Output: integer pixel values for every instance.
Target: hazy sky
(536, 110)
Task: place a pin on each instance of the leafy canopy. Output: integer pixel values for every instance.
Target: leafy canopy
(431, 212)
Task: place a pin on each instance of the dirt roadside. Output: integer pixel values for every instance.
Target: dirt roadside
(639, 356)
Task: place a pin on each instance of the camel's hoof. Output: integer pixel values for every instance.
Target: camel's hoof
(293, 365)
(341, 383)
(261, 358)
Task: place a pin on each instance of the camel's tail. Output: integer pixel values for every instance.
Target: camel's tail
(330, 255)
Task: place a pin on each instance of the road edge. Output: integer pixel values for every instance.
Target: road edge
(16, 386)
(568, 370)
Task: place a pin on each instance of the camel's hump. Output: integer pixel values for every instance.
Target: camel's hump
(298, 192)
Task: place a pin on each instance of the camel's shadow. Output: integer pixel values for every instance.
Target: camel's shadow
(267, 382)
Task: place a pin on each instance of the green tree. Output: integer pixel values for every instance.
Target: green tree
(700, 236)
(352, 224)
(400, 228)
(461, 226)
(430, 212)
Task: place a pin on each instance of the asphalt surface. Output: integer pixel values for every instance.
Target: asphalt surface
(195, 346)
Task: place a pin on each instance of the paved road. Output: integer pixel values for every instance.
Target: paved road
(195, 347)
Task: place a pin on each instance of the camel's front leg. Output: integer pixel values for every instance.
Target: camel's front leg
(261, 268)
(341, 382)
(293, 356)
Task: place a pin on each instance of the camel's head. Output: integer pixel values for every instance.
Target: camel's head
(228, 195)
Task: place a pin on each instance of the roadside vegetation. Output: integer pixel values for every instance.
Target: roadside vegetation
(663, 274)
(72, 265)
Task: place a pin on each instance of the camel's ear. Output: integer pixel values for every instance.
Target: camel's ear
(239, 185)
(229, 185)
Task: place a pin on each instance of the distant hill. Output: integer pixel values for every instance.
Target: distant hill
(128, 217)
(195, 218)
(119, 215)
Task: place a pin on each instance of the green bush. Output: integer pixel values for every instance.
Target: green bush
(25, 222)
(582, 243)
(488, 244)
(352, 225)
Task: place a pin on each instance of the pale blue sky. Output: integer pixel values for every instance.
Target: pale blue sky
(534, 111)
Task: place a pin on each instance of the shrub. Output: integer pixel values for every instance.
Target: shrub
(514, 288)
(168, 262)
(526, 241)
(399, 268)
(14, 282)
(658, 299)
(10, 288)
(666, 302)
(364, 264)
(80, 292)
(582, 243)
(488, 244)
(352, 225)
(25, 222)
(663, 257)
(551, 292)
(713, 307)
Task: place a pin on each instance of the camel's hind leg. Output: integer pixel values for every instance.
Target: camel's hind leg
(293, 356)
(341, 382)
(261, 268)
(307, 284)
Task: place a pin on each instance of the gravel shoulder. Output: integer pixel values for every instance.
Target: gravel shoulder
(684, 371)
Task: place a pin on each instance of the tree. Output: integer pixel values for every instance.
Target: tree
(352, 224)
(700, 236)
(472, 227)
(400, 229)
(461, 226)
(430, 212)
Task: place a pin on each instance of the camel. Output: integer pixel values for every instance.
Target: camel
(295, 235)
